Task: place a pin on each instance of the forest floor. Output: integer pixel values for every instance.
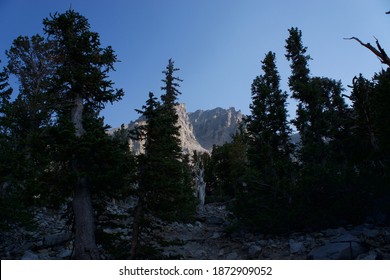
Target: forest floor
(211, 237)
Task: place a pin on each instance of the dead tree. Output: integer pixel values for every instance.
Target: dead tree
(200, 183)
(378, 51)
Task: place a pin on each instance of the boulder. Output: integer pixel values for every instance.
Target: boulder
(214, 220)
(254, 251)
(65, 254)
(337, 250)
(29, 255)
(56, 239)
(296, 247)
(232, 256)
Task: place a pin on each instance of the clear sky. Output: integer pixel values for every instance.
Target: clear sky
(217, 44)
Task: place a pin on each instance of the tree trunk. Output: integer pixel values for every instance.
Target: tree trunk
(84, 245)
(201, 184)
(77, 116)
(136, 228)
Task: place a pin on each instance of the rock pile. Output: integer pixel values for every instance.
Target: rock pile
(207, 238)
(50, 237)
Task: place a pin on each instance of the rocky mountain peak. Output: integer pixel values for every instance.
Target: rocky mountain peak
(199, 130)
(216, 126)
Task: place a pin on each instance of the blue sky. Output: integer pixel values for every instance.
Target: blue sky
(217, 44)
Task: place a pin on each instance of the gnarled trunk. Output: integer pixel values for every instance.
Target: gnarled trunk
(84, 244)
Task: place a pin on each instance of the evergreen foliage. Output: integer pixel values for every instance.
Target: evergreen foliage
(370, 101)
(264, 199)
(225, 169)
(166, 187)
(55, 144)
(165, 176)
(324, 125)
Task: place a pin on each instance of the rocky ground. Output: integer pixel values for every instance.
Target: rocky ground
(207, 238)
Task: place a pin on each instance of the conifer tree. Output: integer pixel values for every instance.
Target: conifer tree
(269, 176)
(6, 154)
(5, 96)
(321, 111)
(176, 200)
(165, 182)
(323, 122)
(81, 80)
(30, 114)
(363, 111)
(269, 149)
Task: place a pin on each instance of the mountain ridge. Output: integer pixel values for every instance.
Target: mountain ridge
(199, 130)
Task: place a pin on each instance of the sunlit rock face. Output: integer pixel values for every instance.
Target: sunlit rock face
(216, 126)
(199, 131)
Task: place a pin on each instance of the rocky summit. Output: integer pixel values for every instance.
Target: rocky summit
(216, 126)
(199, 131)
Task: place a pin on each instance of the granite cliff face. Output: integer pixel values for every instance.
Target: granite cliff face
(199, 131)
(216, 126)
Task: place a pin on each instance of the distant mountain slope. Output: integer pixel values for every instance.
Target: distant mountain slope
(216, 126)
(199, 131)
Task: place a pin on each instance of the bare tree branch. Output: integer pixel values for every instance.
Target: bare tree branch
(380, 52)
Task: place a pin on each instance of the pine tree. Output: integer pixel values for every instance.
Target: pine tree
(7, 210)
(165, 182)
(5, 102)
(81, 80)
(321, 111)
(5, 96)
(31, 61)
(176, 201)
(267, 126)
(362, 102)
(382, 121)
(323, 122)
(270, 168)
(226, 168)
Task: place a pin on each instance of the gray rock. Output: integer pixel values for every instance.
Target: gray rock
(347, 237)
(335, 231)
(56, 239)
(254, 251)
(28, 255)
(365, 232)
(215, 126)
(296, 247)
(216, 235)
(337, 250)
(232, 256)
(372, 255)
(198, 224)
(200, 255)
(64, 254)
(213, 220)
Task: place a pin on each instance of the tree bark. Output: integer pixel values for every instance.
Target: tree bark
(136, 228)
(77, 116)
(84, 245)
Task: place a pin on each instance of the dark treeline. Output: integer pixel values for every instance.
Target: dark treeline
(338, 171)
(55, 146)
